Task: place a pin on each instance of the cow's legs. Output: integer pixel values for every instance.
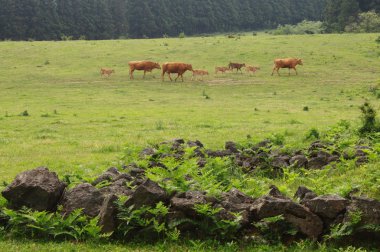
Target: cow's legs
(131, 74)
(275, 68)
(295, 70)
(177, 77)
(170, 77)
(144, 74)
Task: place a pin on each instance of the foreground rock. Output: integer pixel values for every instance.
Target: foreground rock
(304, 220)
(369, 209)
(185, 202)
(148, 193)
(108, 214)
(38, 189)
(328, 207)
(84, 196)
(238, 202)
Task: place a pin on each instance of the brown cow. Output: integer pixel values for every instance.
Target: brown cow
(199, 73)
(286, 63)
(238, 66)
(146, 66)
(175, 67)
(221, 69)
(251, 69)
(106, 71)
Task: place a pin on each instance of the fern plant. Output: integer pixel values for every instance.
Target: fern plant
(145, 221)
(212, 225)
(36, 224)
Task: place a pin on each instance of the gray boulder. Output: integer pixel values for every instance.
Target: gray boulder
(238, 202)
(148, 193)
(38, 189)
(185, 202)
(304, 193)
(369, 208)
(109, 175)
(299, 216)
(298, 161)
(108, 214)
(327, 206)
(84, 196)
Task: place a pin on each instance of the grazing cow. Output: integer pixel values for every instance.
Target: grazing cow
(238, 66)
(286, 63)
(251, 69)
(106, 71)
(199, 73)
(175, 67)
(221, 69)
(146, 66)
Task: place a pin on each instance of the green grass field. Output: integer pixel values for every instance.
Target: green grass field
(80, 122)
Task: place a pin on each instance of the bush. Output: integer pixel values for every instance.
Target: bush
(313, 134)
(181, 35)
(370, 124)
(305, 27)
(366, 22)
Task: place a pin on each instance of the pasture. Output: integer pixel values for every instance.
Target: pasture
(80, 121)
(57, 111)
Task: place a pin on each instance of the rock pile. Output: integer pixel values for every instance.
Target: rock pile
(311, 215)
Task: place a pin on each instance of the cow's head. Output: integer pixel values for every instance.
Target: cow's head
(299, 62)
(189, 67)
(156, 65)
(243, 65)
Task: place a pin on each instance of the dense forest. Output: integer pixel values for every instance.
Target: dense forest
(112, 19)
(108, 19)
(340, 13)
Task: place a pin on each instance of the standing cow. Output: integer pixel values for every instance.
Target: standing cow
(146, 66)
(238, 66)
(286, 63)
(175, 67)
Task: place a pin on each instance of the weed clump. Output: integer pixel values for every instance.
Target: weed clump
(25, 113)
(306, 108)
(370, 124)
(312, 134)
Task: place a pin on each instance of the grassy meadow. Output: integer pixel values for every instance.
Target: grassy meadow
(80, 122)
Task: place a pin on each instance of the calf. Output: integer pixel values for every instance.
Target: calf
(105, 71)
(199, 73)
(221, 69)
(251, 69)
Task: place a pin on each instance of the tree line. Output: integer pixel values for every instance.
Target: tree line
(111, 19)
(340, 14)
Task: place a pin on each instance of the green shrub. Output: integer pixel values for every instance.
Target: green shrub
(305, 27)
(366, 22)
(181, 35)
(312, 134)
(211, 225)
(35, 224)
(369, 122)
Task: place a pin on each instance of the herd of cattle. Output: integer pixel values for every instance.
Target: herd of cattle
(180, 68)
